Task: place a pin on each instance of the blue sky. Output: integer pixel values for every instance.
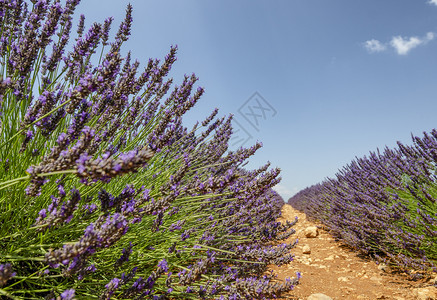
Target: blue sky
(318, 82)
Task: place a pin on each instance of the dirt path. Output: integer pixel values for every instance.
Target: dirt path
(332, 269)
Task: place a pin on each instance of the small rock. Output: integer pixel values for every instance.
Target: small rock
(433, 280)
(377, 279)
(306, 249)
(347, 290)
(287, 211)
(308, 261)
(311, 232)
(319, 296)
(424, 293)
(383, 267)
(331, 257)
(343, 279)
(305, 260)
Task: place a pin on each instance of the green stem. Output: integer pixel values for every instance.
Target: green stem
(22, 258)
(34, 122)
(240, 260)
(14, 180)
(216, 249)
(3, 292)
(19, 233)
(15, 283)
(17, 180)
(57, 173)
(3, 187)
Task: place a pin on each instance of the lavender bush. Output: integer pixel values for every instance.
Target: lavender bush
(103, 191)
(384, 204)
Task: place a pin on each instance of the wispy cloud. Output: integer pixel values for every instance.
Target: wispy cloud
(432, 2)
(402, 45)
(285, 192)
(374, 46)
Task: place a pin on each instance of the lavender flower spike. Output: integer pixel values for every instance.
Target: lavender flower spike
(108, 167)
(6, 273)
(68, 294)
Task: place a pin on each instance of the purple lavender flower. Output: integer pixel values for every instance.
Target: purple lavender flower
(68, 294)
(85, 271)
(124, 256)
(59, 214)
(61, 190)
(113, 284)
(176, 226)
(163, 265)
(103, 233)
(6, 273)
(106, 168)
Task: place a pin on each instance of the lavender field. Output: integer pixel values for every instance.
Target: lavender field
(107, 193)
(384, 205)
(104, 193)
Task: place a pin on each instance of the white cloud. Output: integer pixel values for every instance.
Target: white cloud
(374, 46)
(404, 45)
(285, 192)
(432, 2)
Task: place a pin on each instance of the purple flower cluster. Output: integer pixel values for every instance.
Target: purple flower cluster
(115, 181)
(125, 256)
(6, 273)
(56, 214)
(67, 294)
(102, 234)
(383, 204)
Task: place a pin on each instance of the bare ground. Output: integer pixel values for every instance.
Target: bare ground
(335, 270)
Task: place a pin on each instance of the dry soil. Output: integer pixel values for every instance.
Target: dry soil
(333, 269)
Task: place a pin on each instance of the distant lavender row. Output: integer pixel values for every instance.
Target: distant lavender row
(104, 193)
(384, 204)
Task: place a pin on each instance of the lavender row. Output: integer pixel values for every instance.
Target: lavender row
(383, 204)
(104, 193)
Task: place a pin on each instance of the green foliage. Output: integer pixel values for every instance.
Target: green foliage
(95, 165)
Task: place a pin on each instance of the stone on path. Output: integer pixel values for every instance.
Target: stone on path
(376, 279)
(425, 293)
(311, 232)
(319, 296)
(330, 257)
(287, 210)
(306, 249)
(383, 267)
(286, 214)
